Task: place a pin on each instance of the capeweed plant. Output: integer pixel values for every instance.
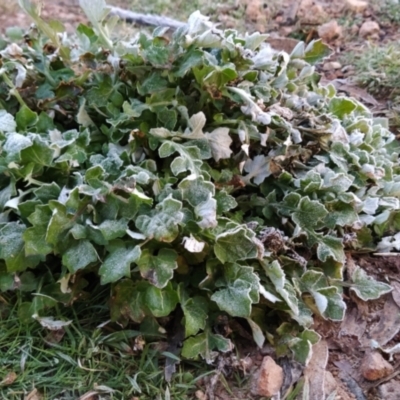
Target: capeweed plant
(197, 169)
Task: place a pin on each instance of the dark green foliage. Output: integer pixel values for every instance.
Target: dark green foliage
(201, 170)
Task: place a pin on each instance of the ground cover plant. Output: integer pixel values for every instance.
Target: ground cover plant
(196, 176)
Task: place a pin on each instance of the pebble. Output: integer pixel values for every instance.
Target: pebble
(369, 28)
(356, 6)
(331, 65)
(268, 379)
(330, 31)
(374, 366)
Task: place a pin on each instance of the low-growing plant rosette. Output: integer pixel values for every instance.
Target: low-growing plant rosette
(198, 169)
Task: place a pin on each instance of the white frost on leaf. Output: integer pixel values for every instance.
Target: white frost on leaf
(251, 108)
(7, 122)
(388, 243)
(207, 211)
(371, 204)
(268, 295)
(192, 244)
(258, 169)
(196, 124)
(219, 141)
(50, 323)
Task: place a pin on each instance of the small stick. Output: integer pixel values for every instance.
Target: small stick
(386, 254)
(146, 19)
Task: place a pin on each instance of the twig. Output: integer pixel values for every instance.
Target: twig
(386, 254)
(146, 19)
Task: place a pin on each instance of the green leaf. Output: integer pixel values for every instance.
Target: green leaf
(316, 51)
(128, 301)
(235, 245)
(341, 106)
(240, 291)
(195, 190)
(162, 224)
(158, 56)
(25, 118)
(35, 241)
(329, 246)
(235, 299)
(195, 310)
(79, 256)
(341, 214)
(309, 214)
(161, 302)
(302, 345)
(205, 345)
(277, 276)
(12, 248)
(367, 288)
(189, 159)
(258, 335)
(158, 268)
(5, 195)
(254, 40)
(39, 153)
(14, 144)
(328, 301)
(117, 263)
(191, 58)
(59, 224)
(7, 281)
(113, 229)
(96, 11)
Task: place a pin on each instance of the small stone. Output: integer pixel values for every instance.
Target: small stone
(389, 390)
(200, 395)
(304, 6)
(253, 9)
(331, 65)
(268, 380)
(369, 28)
(374, 366)
(356, 6)
(314, 16)
(330, 31)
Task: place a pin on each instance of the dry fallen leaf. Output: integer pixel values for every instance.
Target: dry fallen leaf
(388, 325)
(54, 337)
(9, 379)
(33, 395)
(396, 292)
(353, 324)
(315, 370)
(92, 395)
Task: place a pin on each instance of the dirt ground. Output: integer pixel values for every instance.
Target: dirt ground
(341, 23)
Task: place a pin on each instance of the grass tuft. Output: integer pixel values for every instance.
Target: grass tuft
(377, 68)
(86, 359)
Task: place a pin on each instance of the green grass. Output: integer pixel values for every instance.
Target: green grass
(387, 11)
(377, 68)
(179, 9)
(87, 358)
